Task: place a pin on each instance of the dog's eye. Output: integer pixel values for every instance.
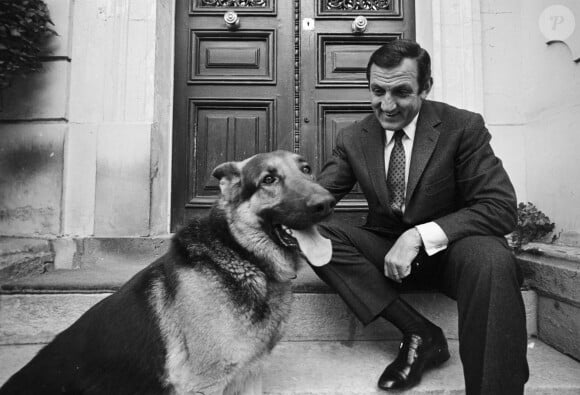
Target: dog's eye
(268, 179)
(306, 170)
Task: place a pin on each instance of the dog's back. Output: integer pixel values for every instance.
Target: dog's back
(114, 348)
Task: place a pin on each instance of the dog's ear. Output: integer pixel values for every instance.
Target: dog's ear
(229, 174)
(227, 170)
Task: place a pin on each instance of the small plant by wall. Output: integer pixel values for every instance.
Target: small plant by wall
(533, 225)
(24, 29)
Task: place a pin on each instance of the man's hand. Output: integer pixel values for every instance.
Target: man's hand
(399, 258)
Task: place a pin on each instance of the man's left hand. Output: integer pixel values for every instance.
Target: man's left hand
(399, 258)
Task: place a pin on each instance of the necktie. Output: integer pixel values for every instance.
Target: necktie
(396, 174)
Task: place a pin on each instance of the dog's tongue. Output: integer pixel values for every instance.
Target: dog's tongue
(315, 248)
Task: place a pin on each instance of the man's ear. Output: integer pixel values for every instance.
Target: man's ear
(229, 174)
(427, 88)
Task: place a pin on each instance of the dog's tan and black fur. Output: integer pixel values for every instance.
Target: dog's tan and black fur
(199, 319)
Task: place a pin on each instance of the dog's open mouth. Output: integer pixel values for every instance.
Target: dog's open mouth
(313, 246)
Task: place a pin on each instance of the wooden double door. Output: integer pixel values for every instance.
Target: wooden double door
(258, 75)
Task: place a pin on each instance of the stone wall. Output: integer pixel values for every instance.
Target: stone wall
(33, 128)
(531, 107)
(76, 150)
(554, 273)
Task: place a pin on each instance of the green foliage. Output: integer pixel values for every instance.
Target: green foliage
(532, 225)
(24, 28)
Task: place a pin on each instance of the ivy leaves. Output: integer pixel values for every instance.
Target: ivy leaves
(532, 225)
(24, 28)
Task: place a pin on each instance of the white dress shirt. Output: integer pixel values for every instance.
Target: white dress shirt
(433, 237)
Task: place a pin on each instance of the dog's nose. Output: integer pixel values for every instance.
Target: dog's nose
(321, 204)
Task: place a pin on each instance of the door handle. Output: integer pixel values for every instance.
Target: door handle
(232, 20)
(359, 25)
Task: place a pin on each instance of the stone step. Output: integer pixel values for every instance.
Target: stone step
(352, 368)
(37, 318)
(110, 272)
(553, 271)
(36, 308)
(20, 257)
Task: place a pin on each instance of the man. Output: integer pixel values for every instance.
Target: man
(440, 203)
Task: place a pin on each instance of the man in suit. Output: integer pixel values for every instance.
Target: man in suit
(439, 203)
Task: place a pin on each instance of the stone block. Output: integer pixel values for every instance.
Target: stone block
(123, 193)
(552, 277)
(326, 317)
(80, 179)
(501, 27)
(38, 318)
(25, 264)
(33, 318)
(21, 257)
(570, 238)
(352, 368)
(65, 249)
(38, 96)
(12, 358)
(318, 316)
(60, 14)
(15, 245)
(107, 251)
(508, 142)
(559, 325)
(31, 167)
(140, 65)
(553, 182)
(113, 48)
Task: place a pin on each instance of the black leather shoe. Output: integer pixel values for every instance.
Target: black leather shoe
(416, 354)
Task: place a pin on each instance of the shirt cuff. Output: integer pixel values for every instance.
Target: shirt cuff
(434, 239)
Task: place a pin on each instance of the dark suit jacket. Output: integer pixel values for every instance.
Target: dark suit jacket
(455, 179)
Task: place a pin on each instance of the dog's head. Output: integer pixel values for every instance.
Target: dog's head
(274, 194)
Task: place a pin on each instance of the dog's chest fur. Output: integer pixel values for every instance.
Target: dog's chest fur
(222, 316)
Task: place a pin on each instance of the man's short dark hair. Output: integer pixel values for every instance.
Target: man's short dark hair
(392, 54)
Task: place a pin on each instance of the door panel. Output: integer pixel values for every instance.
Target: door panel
(288, 76)
(231, 99)
(225, 130)
(226, 58)
(343, 58)
(335, 116)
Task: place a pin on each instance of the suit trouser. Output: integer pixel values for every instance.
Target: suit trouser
(479, 272)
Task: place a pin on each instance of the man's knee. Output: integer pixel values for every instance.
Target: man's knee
(333, 230)
(351, 243)
(342, 232)
(484, 256)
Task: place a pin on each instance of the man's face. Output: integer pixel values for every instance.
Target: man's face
(395, 96)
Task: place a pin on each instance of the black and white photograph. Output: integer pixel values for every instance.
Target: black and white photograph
(289, 197)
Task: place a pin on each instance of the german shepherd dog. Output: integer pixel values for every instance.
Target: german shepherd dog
(199, 319)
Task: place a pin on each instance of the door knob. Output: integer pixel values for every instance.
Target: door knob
(232, 20)
(359, 25)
